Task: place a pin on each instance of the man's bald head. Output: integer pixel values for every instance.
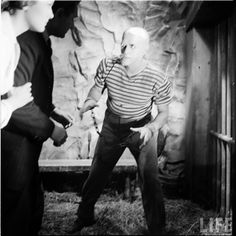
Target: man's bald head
(134, 46)
(138, 31)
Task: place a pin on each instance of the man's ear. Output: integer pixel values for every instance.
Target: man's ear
(59, 12)
(29, 4)
(25, 8)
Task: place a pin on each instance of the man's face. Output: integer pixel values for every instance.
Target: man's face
(64, 23)
(133, 49)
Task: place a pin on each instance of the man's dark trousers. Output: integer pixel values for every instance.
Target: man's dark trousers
(115, 137)
(22, 196)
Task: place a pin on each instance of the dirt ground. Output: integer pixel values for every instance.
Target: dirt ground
(117, 216)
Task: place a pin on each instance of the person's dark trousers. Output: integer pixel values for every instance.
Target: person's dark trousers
(18, 169)
(115, 137)
(37, 193)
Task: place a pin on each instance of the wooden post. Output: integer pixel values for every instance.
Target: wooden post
(223, 44)
(127, 187)
(218, 129)
(135, 193)
(213, 124)
(230, 65)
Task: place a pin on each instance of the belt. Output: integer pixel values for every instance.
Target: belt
(116, 120)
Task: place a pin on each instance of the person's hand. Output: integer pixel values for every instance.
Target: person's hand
(20, 96)
(59, 136)
(63, 117)
(88, 105)
(145, 134)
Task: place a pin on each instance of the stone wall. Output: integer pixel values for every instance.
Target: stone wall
(100, 25)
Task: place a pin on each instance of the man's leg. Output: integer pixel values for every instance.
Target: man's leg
(15, 212)
(107, 153)
(17, 170)
(37, 202)
(152, 195)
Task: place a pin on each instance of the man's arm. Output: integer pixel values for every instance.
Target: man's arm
(162, 99)
(62, 117)
(17, 97)
(160, 120)
(30, 120)
(96, 91)
(147, 131)
(93, 97)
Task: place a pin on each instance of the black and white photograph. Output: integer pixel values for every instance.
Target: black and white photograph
(117, 117)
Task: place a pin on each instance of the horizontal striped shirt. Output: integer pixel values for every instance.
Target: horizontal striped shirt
(132, 97)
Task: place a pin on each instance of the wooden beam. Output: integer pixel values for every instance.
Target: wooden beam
(223, 137)
(82, 165)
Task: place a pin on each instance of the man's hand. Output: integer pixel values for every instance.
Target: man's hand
(59, 136)
(145, 134)
(88, 105)
(20, 96)
(64, 118)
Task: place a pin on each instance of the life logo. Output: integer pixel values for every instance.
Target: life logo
(216, 226)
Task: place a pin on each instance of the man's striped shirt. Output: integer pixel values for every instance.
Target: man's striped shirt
(132, 97)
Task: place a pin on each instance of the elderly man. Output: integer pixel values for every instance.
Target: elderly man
(133, 87)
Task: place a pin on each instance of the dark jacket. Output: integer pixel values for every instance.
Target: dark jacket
(23, 137)
(34, 66)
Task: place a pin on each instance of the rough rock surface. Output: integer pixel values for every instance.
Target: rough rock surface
(100, 25)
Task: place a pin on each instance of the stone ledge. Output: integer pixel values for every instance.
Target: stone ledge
(82, 165)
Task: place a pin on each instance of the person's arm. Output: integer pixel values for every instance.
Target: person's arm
(91, 101)
(62, 117)
(160, 119)
(30, 120)
(162, 99)
(11, 97)
(95, 92)
(147, 131)
(17, 97)
(6, 112)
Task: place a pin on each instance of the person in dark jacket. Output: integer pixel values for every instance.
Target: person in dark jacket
(30, 126)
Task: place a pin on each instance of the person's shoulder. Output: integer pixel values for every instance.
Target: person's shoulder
(155, 71)
(30, 38)
(108, 61)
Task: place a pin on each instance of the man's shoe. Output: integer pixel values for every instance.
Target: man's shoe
(80, 224)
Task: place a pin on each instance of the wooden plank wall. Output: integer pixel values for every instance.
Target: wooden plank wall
(226, 42)
(210, 129)
(222, 117)
(199, 56)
